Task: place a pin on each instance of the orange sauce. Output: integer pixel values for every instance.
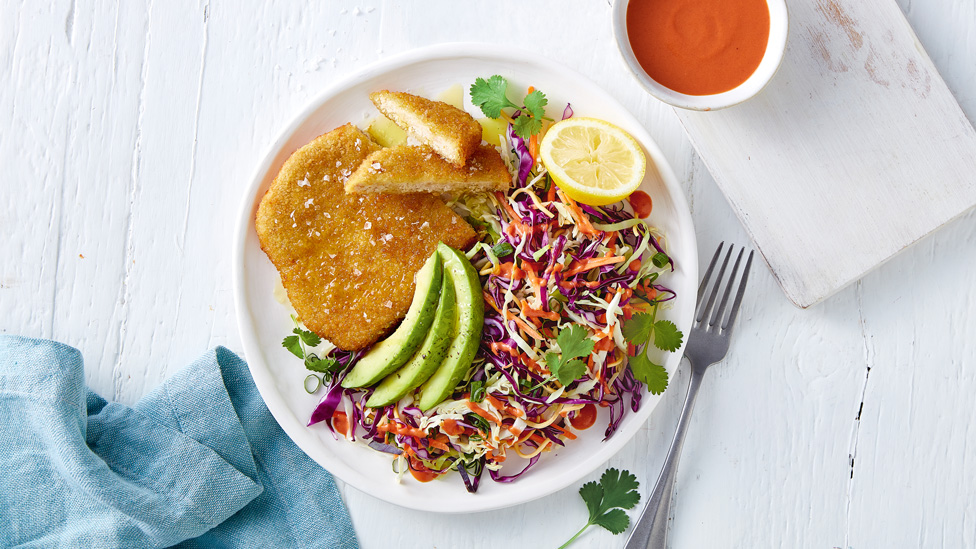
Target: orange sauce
(585, 417)
(419, 472)
(451, 427)
(698, 47)
(340, 422)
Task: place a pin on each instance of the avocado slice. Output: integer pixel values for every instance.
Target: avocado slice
(427, 359)
(391, 353)
(470, 320)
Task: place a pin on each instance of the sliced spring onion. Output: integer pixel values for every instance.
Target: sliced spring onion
(312, 383)
(502, 248)
(540, 252)
(477, 391)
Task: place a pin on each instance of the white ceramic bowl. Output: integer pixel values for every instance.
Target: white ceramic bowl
(775, 48)
(264, 322)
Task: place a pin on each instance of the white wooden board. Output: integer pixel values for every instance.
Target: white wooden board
(854, 151)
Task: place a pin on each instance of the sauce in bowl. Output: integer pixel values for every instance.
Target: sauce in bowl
(698, 47)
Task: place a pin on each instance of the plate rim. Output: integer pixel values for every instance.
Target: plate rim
(254, 356)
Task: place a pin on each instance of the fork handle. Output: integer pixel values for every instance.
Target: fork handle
(651, 528)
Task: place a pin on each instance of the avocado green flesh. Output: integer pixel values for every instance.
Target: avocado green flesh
(391, 353)
(470, 314)
(428, 357)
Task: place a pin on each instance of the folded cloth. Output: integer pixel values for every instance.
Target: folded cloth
(199, 462)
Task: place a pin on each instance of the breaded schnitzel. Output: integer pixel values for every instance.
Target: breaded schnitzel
(348, 261)
(407, 169)
(453, 133)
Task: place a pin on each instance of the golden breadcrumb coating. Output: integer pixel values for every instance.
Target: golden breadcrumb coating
(450, 131)
(348, 261)
(408, 169)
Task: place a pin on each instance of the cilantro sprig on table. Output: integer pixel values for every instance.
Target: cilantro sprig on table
(606, 501)
(641, 330)
(491, 96)
(575, 345)
(298, 345)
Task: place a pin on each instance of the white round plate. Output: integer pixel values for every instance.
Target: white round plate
(264, 322)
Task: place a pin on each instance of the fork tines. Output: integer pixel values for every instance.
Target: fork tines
(704, 307)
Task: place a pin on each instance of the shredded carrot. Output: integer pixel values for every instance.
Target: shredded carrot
(481, 412)
(611, 244)
(533, 365)
(533, 313)
(516, 218)
(499, 405)
(439, 444)
(537, 438)
(530, 312)
(524, 325)
(593, 262)
(581, 220)
(491, 302)
(569, 434)
(604, 344)
(401, 429)
(533, 279)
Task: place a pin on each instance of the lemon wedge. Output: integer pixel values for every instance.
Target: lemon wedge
(592, 161)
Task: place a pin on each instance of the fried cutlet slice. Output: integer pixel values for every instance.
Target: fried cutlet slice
(408, 169)
(348, 261)
(453, 133)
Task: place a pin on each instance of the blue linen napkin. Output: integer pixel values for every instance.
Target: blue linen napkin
(199, 462)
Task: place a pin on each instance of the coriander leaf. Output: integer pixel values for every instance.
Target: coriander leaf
(614, 520)
(592, 494)
(653, 376)
(308, 338)
(552, 361)
(294, 345)
(620, 489)
(490, 95)
(606, 501)
(574, 342)
(536, 103)
(667, 337)
(637, 330)
(570, 371)
(524, 126)
(323, 365)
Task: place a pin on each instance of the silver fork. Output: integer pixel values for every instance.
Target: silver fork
(708, 343)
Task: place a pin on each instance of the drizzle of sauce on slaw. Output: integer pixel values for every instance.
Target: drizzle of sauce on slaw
(698, 47)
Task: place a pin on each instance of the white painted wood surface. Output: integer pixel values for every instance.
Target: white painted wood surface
(127, 132)
(854, 151)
